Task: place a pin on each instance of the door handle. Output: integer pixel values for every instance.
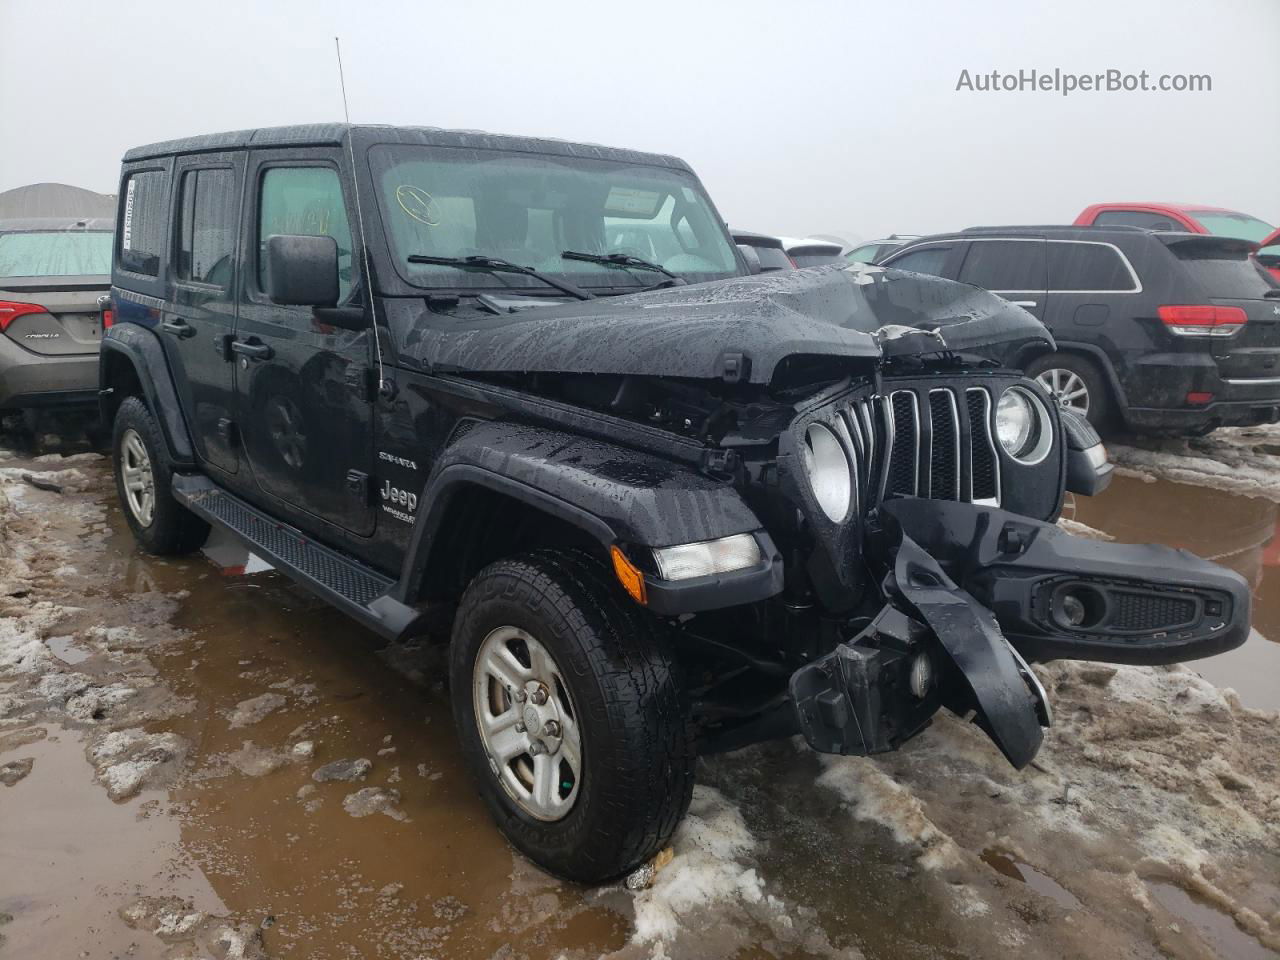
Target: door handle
(179, 328)
(252, 350)
(1023, 303)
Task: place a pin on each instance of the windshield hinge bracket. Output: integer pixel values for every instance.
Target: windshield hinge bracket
(734, 367)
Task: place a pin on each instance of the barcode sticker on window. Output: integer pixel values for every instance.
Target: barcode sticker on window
(126, 232)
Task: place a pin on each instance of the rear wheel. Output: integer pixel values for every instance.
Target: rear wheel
(572, 715)
(1076, 383)
(143, 477)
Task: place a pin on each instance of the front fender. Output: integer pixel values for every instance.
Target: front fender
(613, 494)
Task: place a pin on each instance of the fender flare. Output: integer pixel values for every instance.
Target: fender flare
(143, 351)
(613, 494)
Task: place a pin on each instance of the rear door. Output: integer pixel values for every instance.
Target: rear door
(199, 317)
(1012, 267)
(1228, 276)
(50, 281)
(1091, 289)
(304, 391)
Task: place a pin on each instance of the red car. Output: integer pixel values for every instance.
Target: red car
(1191, 218)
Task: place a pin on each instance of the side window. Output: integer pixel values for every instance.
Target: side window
(1087, 266)
(1005, 265)
(1136, 218)
(207, 227)
(142, 222)
(930, 260)
(304, 201)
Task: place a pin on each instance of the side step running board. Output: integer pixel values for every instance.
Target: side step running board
(357, 590)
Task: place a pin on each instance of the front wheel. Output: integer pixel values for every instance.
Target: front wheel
(572, 715)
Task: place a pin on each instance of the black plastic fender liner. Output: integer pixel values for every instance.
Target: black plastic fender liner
(142, 350)
(971, 637)
(1138, 603)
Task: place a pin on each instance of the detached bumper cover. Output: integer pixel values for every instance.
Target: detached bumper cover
(1057, 596)
(991, 588)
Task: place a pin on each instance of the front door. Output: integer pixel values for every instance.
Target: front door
(303, 389)
(200, 312)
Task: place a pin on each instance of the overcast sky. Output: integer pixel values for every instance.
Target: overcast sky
(800, 116)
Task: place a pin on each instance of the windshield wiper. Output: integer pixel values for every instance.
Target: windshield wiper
(497, 265)
(621, 260)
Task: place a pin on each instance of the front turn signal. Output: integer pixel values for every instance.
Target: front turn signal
(628, 575)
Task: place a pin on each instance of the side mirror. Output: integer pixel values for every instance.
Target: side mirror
(1269, 257)
(752, 256)
(302, 271)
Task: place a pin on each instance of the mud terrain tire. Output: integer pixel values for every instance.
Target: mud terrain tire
(629, 700)
(171, 528)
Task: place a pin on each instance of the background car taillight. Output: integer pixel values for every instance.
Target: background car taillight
(9, 310)
(1202, 321)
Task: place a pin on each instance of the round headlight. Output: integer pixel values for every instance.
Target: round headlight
(1022, 425)
(828, 470)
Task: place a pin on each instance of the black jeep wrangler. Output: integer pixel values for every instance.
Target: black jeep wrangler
(529, 389)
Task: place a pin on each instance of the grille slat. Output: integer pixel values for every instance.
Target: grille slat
(960, 436)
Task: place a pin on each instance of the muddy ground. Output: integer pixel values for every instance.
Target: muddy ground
(199, 760)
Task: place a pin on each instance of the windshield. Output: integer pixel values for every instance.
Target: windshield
(531, 208)
(55, 254)
(1238, 225)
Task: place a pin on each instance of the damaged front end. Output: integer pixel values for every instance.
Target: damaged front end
(968, 592)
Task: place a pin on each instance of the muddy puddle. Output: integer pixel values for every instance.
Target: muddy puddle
(1237, 531)
(241, 850)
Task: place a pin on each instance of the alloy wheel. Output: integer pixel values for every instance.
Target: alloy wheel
(139, 480)
(1067, 387)
(527, 723)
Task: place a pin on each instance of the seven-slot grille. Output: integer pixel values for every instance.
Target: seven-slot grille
(923, 442)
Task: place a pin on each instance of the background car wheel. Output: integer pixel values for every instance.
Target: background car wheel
(143, 475)
(572, 715)
(1076, 383)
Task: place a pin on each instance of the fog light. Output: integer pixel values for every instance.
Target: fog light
(689, 560)
(1073, 610)
(920, 678)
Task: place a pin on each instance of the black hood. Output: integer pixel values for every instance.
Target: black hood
(856, 311)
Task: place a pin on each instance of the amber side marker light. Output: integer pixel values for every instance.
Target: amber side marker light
(632, 580)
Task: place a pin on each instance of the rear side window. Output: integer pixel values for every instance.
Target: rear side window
(1224, 274)
(814, 258)
(305, 201)
(206, 226)
(1137, 218)
(55, 254)
(142, 222)
(1087, 267)
(1005, 265)
(930, 260)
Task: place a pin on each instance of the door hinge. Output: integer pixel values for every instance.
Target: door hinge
(360, 381)
(358, 485)
(735, 367)
(227, 432)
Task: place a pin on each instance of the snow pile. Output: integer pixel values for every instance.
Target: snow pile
(1241, 460)
(128, 760)
(1151, 774)
(710, 865)
(248, 712)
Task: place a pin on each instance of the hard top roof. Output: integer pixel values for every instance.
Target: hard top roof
(329, 134)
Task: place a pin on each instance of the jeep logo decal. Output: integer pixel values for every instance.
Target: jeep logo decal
(403, 498)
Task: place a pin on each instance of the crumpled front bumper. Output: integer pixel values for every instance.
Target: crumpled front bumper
(976, 592)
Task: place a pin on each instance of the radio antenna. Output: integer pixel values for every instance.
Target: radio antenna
(355, 185)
